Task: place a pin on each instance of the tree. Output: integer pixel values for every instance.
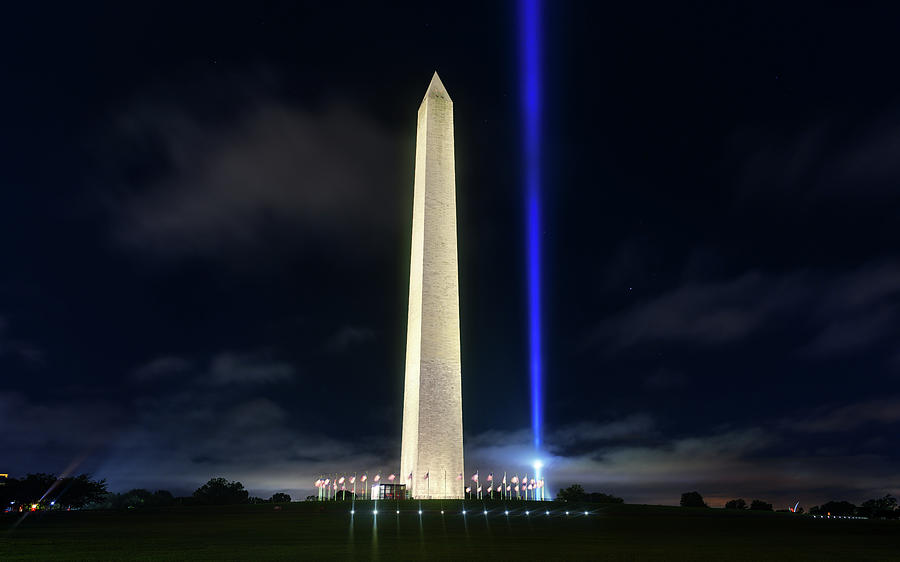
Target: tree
(881, 507)
(599, 497)
(692, 499)
(574, 493)
(736, 504)
(837, 508)
(219, 491)
(759, 505)
(280, 497)
(48, 489)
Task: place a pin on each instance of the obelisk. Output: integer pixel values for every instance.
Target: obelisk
(432, 445)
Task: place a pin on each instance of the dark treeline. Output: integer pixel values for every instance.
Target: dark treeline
(575, 493)
(49, 492)
(884, 508)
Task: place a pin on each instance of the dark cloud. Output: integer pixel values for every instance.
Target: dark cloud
(18, 349)
(349, 336)
(161, 367)
(703, 313)
(222, 369)
(836, 313)
(233, 368)
(844, 418)
(274, 175)
(664, 379)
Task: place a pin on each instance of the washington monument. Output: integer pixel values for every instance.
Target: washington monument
(432, 446)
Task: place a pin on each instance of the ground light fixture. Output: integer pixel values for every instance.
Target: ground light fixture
(585, 512)
(464, 512)
(567, 513)
(398, 512)
(420, 512)
(375, 512)
(527, 513)
(485, 512)
(548, 513)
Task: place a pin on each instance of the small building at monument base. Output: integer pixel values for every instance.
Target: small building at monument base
(389, 492)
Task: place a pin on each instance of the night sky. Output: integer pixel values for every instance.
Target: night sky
(206, 214)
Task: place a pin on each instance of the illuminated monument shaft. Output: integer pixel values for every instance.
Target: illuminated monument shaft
(432, 403)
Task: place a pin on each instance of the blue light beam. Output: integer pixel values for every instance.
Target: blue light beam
(530, 59)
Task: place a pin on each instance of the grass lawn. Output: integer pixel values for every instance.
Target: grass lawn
(322, 531)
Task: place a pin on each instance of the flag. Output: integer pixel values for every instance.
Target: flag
(532, 481)
(392, 477)
(491, 477)
(504, 478)
(468, 490)
(409, 477)
(475, 477)
(426, 476)
(319, 483)
(515, 479)
(341, 481)
(377, 477)
(479, 489)
(517, 487)
(334, 485)
(353, 479)
(327, 481)
(459, 477)
(508, 487)
(363, 478)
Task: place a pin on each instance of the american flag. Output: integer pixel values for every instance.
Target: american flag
(508, 487)
(341, 481)
(426, 476)
(392, 477)
(327, 481)
(475, 477)
(532, 481)
(319, 483)
(479, 488)
(491, 477)
(515, 479)
(468, 490)
(363, 479)
(352, 479)
(409, 477)
(459, 477)
(377, 477)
